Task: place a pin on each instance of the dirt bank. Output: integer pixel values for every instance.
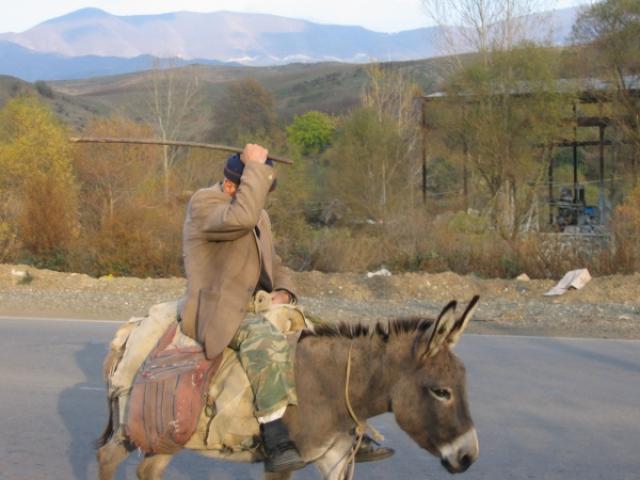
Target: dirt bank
(608, 307)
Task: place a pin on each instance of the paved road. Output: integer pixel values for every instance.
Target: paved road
(545, 408)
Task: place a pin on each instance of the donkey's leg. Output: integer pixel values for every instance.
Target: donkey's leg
(152, 466)
(333, 464)
(277, 476)
(109, 456)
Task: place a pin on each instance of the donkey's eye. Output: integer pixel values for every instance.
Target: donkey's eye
(441, 393)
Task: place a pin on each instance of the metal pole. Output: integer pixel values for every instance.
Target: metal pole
(575, 154)
(551, 190)
(601, 199)
(465, 175)
(465, 161)
(424, 152)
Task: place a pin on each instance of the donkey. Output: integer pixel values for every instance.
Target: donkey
(405, 367)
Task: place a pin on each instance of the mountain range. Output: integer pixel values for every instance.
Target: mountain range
(91, 42)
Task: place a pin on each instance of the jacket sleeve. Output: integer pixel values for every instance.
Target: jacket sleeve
(236, 217)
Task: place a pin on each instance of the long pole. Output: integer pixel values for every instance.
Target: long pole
(575, 154)
(424, 151)
(551, 199)
(153, 141)
(601, 196)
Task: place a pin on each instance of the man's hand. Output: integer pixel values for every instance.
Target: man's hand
(280, 297)
(254, 153)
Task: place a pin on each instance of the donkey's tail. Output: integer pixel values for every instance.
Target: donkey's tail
(111, 361)
(108, 430)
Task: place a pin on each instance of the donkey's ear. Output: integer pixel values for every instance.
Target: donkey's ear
(431, 341)
(462, 322)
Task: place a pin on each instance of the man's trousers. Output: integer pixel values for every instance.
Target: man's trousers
(264, 354)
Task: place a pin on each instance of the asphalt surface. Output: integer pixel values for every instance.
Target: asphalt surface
(544, 408)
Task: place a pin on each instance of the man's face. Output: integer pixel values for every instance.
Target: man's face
(229, 187)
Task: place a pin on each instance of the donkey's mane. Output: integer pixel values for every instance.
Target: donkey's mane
(384, 330)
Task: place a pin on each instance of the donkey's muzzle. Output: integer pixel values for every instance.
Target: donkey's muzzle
(461, 466)
(458, 456)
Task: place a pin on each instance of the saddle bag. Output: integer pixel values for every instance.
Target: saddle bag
(168, 394)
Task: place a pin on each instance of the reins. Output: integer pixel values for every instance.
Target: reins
(361, 427)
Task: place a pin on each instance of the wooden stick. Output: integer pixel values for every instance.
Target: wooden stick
(153, 141)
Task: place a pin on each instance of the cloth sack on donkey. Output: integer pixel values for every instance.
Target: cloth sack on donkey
(227, 423)
(132, 343)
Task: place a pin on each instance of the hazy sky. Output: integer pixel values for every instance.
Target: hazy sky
(379, 15)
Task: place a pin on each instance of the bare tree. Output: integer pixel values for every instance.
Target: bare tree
(247, 109)
(608, 33)
(391, 94)
(496, 130)
(172, 98)
(486, 25)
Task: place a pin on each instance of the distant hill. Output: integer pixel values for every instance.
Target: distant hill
(91, 42)
(32, 65)
(252, 39)
(12, 87)
(72, 110)
(297, 88)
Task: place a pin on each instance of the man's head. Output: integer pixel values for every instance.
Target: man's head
(233, 169)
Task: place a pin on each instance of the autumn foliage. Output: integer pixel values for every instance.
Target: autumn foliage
(128, 228)
(37, 185)
(354, 198)
(96, 209)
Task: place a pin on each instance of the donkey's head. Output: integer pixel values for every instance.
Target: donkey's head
(430, 398)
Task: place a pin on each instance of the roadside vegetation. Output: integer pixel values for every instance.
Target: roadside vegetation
(354, 199)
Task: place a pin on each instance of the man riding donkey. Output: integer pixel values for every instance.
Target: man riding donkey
(229, 257)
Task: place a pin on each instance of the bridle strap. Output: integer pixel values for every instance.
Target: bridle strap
(361, 427)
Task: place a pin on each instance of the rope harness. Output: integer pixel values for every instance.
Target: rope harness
(348, 470)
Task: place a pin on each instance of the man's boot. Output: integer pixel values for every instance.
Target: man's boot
(280, 452)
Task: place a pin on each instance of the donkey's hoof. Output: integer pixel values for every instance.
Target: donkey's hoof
(372, 451)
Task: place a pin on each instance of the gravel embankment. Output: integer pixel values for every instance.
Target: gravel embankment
(608, 307)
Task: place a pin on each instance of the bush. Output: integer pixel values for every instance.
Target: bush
(8, 238)
(37, 186)
(626, 233)
(48, 220)
(341, 250)
(311, 132)
(44, 89)
(414, 243)
(136, 243)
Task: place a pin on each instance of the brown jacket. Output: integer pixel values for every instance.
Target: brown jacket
(225, 241)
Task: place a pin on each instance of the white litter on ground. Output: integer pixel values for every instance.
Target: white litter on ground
(18, 273)
(575, 279)
(383, 272)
